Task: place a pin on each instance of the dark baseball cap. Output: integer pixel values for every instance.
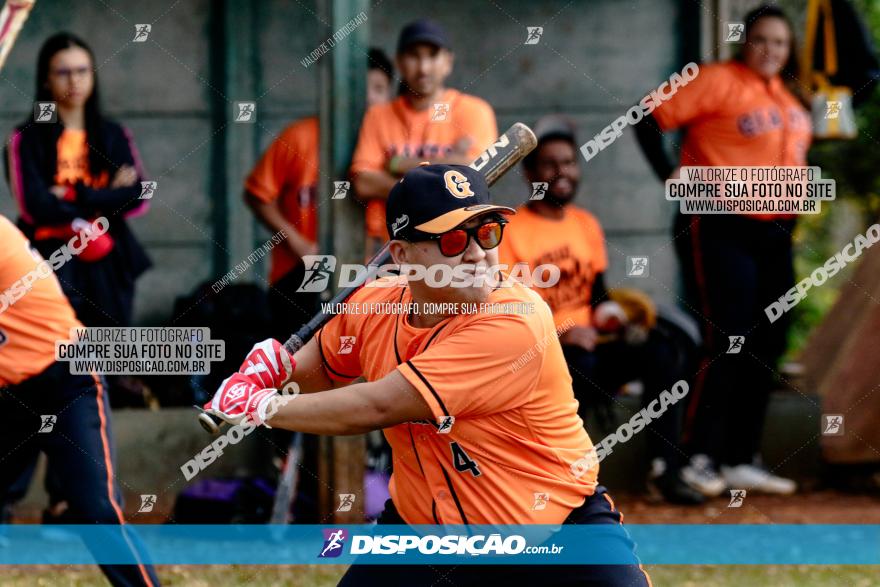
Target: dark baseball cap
(433, 199)
(423, 31)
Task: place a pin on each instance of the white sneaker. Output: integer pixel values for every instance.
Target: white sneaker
(701, 476)
(757, 479)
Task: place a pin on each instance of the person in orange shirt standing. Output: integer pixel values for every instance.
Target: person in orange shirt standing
(48, 409)
(281, 192)
(736, 113)
(477, 405)
(550, 229)
(427, 122)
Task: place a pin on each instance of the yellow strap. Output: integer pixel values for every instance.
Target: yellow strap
(815, 8)
(830, 40)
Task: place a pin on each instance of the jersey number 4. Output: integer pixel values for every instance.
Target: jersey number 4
(462, 462)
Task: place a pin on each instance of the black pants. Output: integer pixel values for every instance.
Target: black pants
(79, 450)
(733, 268)
(598, 509)
(597, 376)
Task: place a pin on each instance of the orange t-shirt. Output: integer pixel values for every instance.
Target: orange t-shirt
(30, 321)
(575, 244)
(733, 117)
(503, 378)
(72, 167)
(395, 129)
(73, 158)
(289, 170)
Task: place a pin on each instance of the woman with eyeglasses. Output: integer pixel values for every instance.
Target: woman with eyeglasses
(67, 166)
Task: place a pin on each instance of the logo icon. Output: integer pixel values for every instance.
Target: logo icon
(832, 109)
(441, 112)
(735, 32)
(737, 497)
(832, 424)
(333, 542)
(541, 500)
(45, 112)
(637, 266)
(148, 188)
(457, 184)
(539, 188)
(141, 32)
(147, 503)
(237, 391)
(399, 224)
(245, 112)
(736, 344)
(444, 426)
(340, 190)
(47, 423)
(346, 500)
(346, 344)
(534, 34)
(319, 268)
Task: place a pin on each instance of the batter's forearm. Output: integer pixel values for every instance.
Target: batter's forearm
(309, 374)
(338, 412)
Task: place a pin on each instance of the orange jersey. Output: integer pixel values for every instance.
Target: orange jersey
(503, 379)
(30, 321)
(575, 244)
(73, 161)
(394, 129)
(289, 170)
(733, 117)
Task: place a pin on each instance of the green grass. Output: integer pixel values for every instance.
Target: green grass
(328, 575)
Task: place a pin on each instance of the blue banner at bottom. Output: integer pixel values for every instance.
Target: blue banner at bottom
(455, 545)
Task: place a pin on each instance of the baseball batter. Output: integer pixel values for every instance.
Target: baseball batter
(473, 438)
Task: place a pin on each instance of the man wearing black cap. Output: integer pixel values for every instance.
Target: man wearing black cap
(427, 122)
(477, 405)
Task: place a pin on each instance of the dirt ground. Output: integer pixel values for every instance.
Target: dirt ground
(819, 507)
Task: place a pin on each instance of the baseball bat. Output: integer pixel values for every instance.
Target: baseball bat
(12, 18)
(508, 150)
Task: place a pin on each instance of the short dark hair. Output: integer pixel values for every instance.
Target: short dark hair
(531, 159)
(790, 70)
(376, 59)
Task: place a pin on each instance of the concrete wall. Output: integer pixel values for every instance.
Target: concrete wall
(176, 91)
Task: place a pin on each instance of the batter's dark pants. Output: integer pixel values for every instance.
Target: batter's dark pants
(597, 509)
(598, 375)
(733, 268)
(78, 448)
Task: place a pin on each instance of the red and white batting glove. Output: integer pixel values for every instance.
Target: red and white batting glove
(268, 364)
(240, 399)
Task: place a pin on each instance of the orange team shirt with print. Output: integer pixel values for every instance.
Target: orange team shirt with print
(733, 117)
(72, 167)
(288, 172)
(30, 321)
(503, 379)
(395, 129)
(575, 244)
